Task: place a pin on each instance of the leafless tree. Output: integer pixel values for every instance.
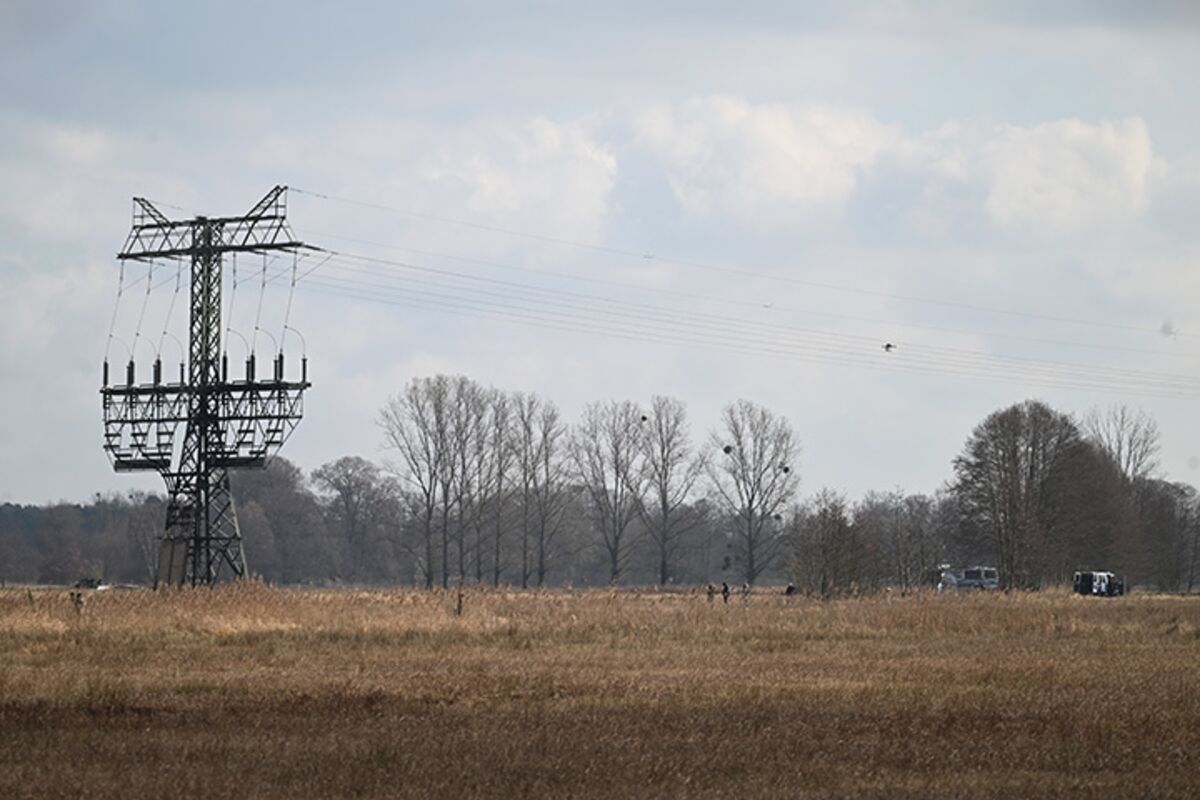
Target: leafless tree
(1003, 479)
(414, 427)
(452, 429)
(879, 517)
(822, 541)
(609, 466)
(551, 493)
(1129, 437)
(754, 477)
(902, 528)
(500, 463)
(672, 468)
(538, 453)
(145, 524)
(470, 477)
(923, 551)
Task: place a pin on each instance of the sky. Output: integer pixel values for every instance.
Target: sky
(601, 201)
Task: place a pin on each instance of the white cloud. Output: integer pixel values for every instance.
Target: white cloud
(1068, 176)
(549, 177)
(535, 169)
(767, 165)
(516, 172)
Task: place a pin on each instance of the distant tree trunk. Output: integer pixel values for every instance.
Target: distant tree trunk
(541, 556)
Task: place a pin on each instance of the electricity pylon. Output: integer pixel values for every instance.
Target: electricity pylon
(228, 424)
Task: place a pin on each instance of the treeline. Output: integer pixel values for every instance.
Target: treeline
(484, 486)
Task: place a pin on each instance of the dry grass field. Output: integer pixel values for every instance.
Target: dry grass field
(247, 691)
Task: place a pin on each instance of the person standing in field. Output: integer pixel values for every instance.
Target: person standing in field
(725, 592)
(712, 592)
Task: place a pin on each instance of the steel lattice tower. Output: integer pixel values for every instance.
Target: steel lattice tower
(228, 424)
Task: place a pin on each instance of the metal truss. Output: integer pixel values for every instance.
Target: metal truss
(226, 424)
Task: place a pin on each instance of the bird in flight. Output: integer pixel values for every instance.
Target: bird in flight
(888, 347)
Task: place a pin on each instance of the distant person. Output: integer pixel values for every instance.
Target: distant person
(712, 592)
(725, 592)
(745, 592)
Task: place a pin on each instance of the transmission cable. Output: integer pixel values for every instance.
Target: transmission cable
(262, 290)
(708, 332)
(287, 312)
(673, 322)
(171, 307)
(758, 305)
(145, 302)
(646, 333)
(112, 326)
(967, 357)
(741, 272)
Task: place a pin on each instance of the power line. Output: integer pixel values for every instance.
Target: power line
(758, 305)
(451, 290)
(730, 324)
(739, 271)
(573, 317)
(642, 332)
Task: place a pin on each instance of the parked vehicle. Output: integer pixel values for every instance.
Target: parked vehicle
(969, 578)
(979, 578)
(1098, 584)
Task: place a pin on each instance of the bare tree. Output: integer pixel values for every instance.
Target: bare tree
(1004, 475)
(879, 518)
(923, 551)
(901, 528)
(502, 454)
(608, 464)
(671, 471)
(755, 479)
(550, 493)
(413, 425)
(145, 525)
(467, 440)
(822, 538)
(1129, 437)
(541, 487)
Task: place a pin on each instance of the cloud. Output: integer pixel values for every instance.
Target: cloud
(538, 169)
(1068, 177)
(767, 165)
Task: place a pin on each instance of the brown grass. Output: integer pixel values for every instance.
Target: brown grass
(247, 691)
